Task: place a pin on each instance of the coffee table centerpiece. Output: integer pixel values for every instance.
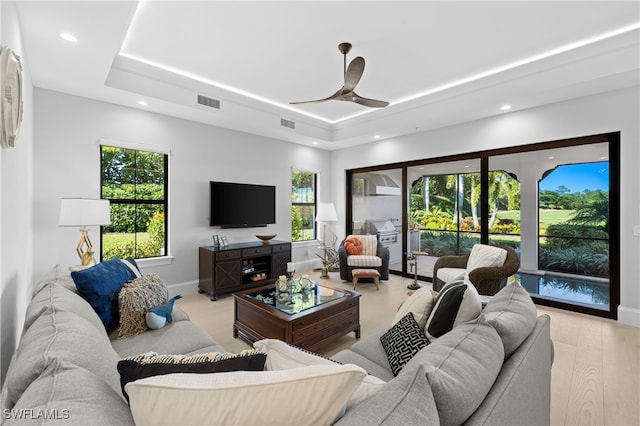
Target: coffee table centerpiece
(307, 315)
(298, 297)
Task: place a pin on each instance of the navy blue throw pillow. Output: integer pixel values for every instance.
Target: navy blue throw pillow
(100, 284)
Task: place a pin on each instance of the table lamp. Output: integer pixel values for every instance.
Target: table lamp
(326, 213)
(84, 212)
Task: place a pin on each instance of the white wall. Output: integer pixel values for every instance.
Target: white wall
(16, 196)
(66, 158)
(614, 111)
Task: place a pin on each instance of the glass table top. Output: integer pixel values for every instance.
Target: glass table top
(297, 300)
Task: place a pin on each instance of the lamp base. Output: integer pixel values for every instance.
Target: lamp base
(324, 271)
(85, 249)
(325, 264)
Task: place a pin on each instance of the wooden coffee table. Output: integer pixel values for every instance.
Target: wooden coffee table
(308, 319)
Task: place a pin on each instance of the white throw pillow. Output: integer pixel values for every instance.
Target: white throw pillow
(458, 302)
(369, 244)
(311, 395)
(420, 304)
(282, 356)
(484, 256)
(448, 275)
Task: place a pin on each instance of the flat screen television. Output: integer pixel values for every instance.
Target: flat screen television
(241, 205)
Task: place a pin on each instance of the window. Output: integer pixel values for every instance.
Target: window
(303, 205)
(135, 183)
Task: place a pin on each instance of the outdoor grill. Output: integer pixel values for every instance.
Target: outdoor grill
(384, 229)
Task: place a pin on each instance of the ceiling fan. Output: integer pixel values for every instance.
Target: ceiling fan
(352, 76)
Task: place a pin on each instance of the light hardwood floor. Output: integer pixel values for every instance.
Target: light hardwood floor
(595, 375)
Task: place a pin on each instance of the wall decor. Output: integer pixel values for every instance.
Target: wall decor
(10, 96)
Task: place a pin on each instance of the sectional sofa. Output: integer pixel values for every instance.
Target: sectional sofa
(64, 370)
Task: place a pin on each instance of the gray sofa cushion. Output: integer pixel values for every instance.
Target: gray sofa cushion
(57, 275)
(521, 393)
(76, 396)
(60, 335)
(181, 337)
(405, 400)
(372, 349)
(55, 295)
(512, 313)
(347, 356)
(461, 367)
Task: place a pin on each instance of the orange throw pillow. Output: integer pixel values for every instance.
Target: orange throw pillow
(353, 245)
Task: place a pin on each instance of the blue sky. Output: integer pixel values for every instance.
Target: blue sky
(578, 177)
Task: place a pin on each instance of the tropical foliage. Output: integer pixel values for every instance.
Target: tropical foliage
(445, 208)
(134, 182)
(302, 205)
(138, 245)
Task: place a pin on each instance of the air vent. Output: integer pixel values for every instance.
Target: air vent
(210, 102)
(287, 123)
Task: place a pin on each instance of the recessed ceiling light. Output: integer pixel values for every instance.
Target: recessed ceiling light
(142, 103)
(68, 37)
(376, 136)
(551, 157)
(505, 107)
(315, 142)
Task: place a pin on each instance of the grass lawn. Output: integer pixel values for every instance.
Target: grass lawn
(547, 216)
(118, 238)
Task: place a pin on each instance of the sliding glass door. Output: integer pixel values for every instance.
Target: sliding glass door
(443, 212)
(376, 206)
(554, 202)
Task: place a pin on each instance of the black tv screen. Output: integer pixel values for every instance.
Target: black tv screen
(241, 205)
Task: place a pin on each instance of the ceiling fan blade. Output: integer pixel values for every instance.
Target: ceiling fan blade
(372, 103)
(334, 96)
(353, 74)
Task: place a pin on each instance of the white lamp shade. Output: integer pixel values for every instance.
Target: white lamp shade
(84, 212)
(326, 213)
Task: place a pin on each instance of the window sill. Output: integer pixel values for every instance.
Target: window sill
(154, 261)
(307, 243)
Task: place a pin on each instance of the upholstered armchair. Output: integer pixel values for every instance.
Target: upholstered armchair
(487, 267)
(373, 255)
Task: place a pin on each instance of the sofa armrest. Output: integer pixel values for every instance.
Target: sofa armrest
(177, 314)
(342, 258)
(383, 253)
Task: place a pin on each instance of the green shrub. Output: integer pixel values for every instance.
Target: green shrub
(132, 217)
(580, 231)
(296, 224)
(591, 260)
(151, 246)
(445, 243)
(505, 226)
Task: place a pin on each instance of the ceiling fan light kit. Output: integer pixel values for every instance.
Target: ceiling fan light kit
(352, 75)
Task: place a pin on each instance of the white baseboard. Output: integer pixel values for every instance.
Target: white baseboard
(629, 316)
(189, 287)
(307, 265)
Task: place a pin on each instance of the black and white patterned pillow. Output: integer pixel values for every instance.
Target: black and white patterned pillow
(402, 342)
